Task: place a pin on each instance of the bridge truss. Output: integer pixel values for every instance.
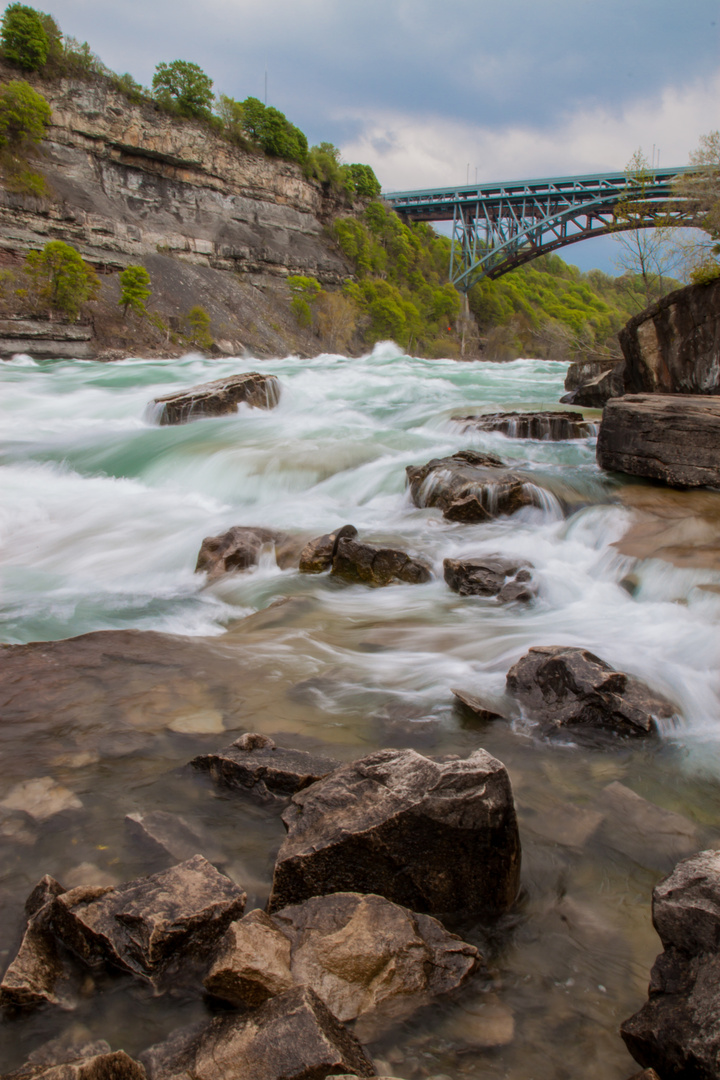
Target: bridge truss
(497, 227)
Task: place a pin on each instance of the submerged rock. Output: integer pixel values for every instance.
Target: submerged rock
(239, 548)
(641, 830)
(362, 955)
(470, 487)
(674, 438)
(103, 1066)
(255, 765)
(318, 554)
(490, 575)
(291, 1037)
(375, 566)
(565, 687)
(432, 836)
(552, 426)
(171, 835)
(677, 1031)
(218, 398)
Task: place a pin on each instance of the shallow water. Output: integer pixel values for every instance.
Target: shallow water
(101, 517)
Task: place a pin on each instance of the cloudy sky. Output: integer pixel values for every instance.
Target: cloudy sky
(432, 93)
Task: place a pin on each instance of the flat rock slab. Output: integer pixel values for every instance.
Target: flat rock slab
(239, 548)
(470, 487)
(432, 836)
(547, 426)
(562, 687)
(291, 1037)
(647, 833)
(362, 955)
(105, 1066)
(474, 708)
(171, 835)
(674, 438)
(218, 398)
(677, 1031)
(254, 765)
(318, 554)
(364, 564)
(490, 575)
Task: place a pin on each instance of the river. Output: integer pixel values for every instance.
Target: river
(102, 513)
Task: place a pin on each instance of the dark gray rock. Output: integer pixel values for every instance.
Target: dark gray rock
(551, 426)
(674, 438)
(239, 549)
(219, 398)
(474, 708)
(291, 1037)
(434, 837)
(565, 687)
(470, 486)
(318, 554)
(594, 384)
(677, 1031)
(490, 575)
(171, 835)
(104, 1066)
(364, 564)
(255, 765)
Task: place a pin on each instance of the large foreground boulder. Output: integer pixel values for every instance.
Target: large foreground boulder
(674, 438)
(239, 548)
(434, 836)
(677, 1031)
(255, 765)
(490, 575)
(218, 398)
(291, 1037)
(549, 426)
(470, 486)
(564, 687)
(365, 564)
(362, 955)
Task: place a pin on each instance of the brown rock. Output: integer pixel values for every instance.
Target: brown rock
(474, 708)
(317, 555)
(362, 955)
(434, 837)
(470, 487)
(104, 1066)
(490, 575)
(374, 566)
(237, 549)
(291, 1037)
(42, 973)
(565, 687)
(255, 765)
(171, 835)
(219, 398)
(552, 426)
(647, 833)
(593, 384)
(674, 438)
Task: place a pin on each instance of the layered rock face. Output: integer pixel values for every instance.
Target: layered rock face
(219, 398)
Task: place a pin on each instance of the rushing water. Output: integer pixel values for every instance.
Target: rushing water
(102, 513)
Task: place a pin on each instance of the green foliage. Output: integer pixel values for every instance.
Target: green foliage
(24, 39)
(134, 289)
(24, 115)
(128, 86)
(183, 87)
(60, 281)
(323, 164)
(366, 182)
(197, 328)
(267, 127)
(305, 292)
(26, 182)
(704, 274)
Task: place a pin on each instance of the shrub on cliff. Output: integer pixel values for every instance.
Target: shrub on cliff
(197, 328)
(23, 37)
(271, 130)
(184, 87)
(134, 290)
(59, 280)
(24, 115)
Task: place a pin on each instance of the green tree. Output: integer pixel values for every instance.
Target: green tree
(305, 291)
(272, 131)
(24, 39)
(701, 189)
(197, 323)
(184, 86)
(24, 115)
(366, 182)
(60, 280)
(134, 289)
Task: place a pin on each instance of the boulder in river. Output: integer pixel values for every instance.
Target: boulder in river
(254, 764)
(490, 575)
(362, 955)
(674, 438)
(291, 1037)
(42, 973)
(677, 1031)
(365, 564)
(218, 398)
(318, 554)
(434, 836)
(106, 1065)
(591, 383)
(470, 486)
(565, 687)
(239, 548)
(552, 426)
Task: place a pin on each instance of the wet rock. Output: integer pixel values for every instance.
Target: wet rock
(490, 575)
(674, 438)
(677, 1031)
(564, 687)
(434, 837)
(647, 833)
(645, 1074)
(362, 955)
(218, 398)
(239, 548)
(482, 1022)
(255, 765)
(474, 708)
(45, 890)
(317, 555)
(367, 565)
(42, 973)
(291, 1037)
(104, 1066)
(551, 426)
(41, 798)
(90, 874)
(171, 835)
(593, 384)
(153, 926)
(563, 823)
(470, 487)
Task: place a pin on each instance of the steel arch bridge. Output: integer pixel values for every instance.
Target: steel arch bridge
(497, 227)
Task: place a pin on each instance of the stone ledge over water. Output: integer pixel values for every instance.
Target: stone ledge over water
(218, 398)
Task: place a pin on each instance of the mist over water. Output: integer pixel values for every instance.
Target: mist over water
(102, 513)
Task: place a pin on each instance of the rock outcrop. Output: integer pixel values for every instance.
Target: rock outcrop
(364, 564)
(218, 398)
(318, 554)
(590, 383)
(255, 765)
(43, 338)
(569, 688)
(239, 548)
(490, 575)
(470, 486)
(674, 438)
(677, 1031)
(551, 426)
(432, 836)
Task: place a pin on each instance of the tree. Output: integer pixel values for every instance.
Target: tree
(701, 188)
(24, 39)
(367, 184)
(184, 86)
(337, 317)
(134, 290)
(197, 322)
(24, 115)
(60, 280)
(645, 251)
(272, 130)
